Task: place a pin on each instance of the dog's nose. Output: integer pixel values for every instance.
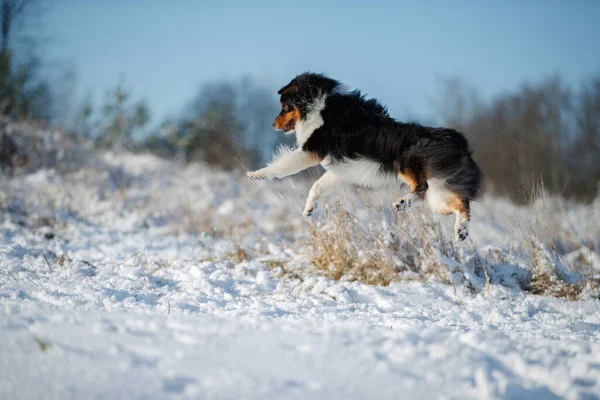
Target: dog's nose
(273, 123)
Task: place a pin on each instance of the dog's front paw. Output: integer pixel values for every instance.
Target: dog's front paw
(403, 204)
(309, 209)
(260, 175)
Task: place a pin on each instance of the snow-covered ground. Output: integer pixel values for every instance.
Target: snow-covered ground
(136, 278)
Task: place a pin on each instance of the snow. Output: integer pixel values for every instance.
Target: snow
(133, 277)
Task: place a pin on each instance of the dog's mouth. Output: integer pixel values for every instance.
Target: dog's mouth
(289, 126)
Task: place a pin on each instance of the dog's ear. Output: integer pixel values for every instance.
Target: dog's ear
(290, 88)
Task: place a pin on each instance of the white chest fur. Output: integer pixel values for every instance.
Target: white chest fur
(313, 121)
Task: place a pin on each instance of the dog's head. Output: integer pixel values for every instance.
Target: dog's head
(298, 97)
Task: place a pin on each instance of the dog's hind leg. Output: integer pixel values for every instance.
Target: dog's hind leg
(462, 209)
(416, 179)
(442, 199)
(324, 185)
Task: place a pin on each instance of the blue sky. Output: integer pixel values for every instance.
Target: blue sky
(396, 51)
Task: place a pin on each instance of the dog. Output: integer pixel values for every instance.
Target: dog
(357, 142)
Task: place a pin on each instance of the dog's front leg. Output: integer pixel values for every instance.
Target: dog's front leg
(326, 184)
(287, 163)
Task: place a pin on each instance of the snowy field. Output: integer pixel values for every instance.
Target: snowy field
(129, 277)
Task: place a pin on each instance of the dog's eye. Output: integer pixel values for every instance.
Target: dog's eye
(285, 107)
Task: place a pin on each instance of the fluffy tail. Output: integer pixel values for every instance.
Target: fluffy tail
(467, 180)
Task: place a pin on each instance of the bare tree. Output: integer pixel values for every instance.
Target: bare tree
(120, 118)
(543, 132)
(229, 124)
(10, 13)
(585, 153)
(22, 93)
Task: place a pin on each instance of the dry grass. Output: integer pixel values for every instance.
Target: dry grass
(238, 255)
(542, 233)
(547, 284)
(382, 247)
(550, 275)
(376, 246)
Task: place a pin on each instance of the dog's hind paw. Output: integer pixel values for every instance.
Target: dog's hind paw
(403, 204)
(462, 233)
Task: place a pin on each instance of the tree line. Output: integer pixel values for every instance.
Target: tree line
(546, 133)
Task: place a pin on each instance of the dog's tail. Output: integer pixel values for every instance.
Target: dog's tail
(466, 180)
(447, 156)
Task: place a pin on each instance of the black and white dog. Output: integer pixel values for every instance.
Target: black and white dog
(357, 142)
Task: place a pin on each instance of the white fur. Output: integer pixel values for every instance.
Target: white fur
(360, 172)
(438, 195)
(368, 173)
(323, 186)
(286, 162)
(281, 152)
(290, 162)
(311, 122)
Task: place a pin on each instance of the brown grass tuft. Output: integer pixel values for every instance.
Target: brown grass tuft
(381, 247)
(547, 284)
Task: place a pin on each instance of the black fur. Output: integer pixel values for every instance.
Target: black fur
(356, 127)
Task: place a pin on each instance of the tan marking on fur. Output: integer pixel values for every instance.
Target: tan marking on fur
(456, 205)
(410, 180)
(314, 157)
(410, 177)
(282, 120)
